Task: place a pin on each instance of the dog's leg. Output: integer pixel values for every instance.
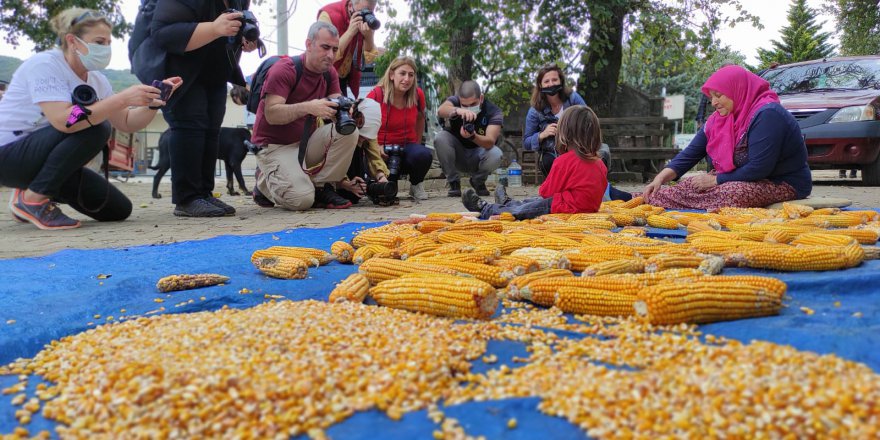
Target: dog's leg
(230, 186)
(163, 168)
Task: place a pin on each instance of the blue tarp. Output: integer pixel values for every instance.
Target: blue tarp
(60, 294)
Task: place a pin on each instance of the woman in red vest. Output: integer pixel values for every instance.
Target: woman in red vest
(403, 124)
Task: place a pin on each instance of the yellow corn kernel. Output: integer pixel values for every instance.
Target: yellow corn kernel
(283, 267)
(595, 302)
(484, 225)
(547, 258)
(343, 252)
(173, 283)
(369, 251)
(381, 269)
(863, 236)
(494, 275)
(822, 239)
(517, 265)
(353, 288)
(390, 240)
(310, 255)
(633, 202)
(665, 261)
(624, 265)
(652, 278)
(669, 249)
(794, 210)
(444, 216)
(520, 282)
(428, 226)
(842, 220)
(791, 258)
(436, 294)
(543, 291)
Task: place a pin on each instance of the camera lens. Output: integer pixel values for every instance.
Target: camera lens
(469, 127)
(370, 19)
(84, 94)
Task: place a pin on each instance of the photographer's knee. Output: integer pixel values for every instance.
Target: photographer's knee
(96, 136)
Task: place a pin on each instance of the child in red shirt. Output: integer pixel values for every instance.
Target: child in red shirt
(576, 182)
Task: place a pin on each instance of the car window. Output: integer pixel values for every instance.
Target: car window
(847, 74)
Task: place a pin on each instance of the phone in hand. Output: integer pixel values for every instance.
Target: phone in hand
(165, 89)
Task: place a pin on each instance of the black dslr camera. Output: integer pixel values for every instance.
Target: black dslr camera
(249, 29)
(345, 124)
(548, 144)
(393, 152)
(370, 19)
(469, 127)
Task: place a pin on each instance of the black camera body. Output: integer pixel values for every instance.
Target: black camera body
(370, 19)
(548, 144)
(394, 152)
(249, 29)
(470, 128)
(345, 124)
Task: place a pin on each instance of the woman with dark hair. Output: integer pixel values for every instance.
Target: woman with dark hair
(57, 115)
(550, 96)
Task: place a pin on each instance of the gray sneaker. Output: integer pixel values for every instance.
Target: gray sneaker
(501, 196)
(45, 215)
(417, 191)
(227, 210)
(198, 208)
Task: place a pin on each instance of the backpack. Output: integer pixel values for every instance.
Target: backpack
(141, 26)
(259, 77)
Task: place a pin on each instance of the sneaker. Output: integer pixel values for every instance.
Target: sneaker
(12, 200)
(227, 210)
(472, 201)
(417, 191)
(327, 198)
(198, 208)
(45, 215)
(501, 196)
(479, 187)
(261, 200)
(853, 174)
(842, 174)
(454, 189)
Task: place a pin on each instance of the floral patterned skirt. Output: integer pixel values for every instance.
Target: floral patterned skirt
(733, 194)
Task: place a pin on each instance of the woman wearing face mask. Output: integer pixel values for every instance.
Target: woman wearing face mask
(403, 124)
(550, 96)
(46, 139)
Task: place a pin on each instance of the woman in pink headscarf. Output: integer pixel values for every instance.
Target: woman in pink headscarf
(754, 143)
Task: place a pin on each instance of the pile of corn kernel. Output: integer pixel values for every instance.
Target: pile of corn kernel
(286, 368)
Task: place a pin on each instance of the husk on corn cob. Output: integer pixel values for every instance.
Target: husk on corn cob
(441, 295)
(288, 268)
(353, 288)
(173, 283)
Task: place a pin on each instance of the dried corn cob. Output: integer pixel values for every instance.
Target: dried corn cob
(323, 257)
(353, 288)
(288, 268)
(506, 217)
(547, 258)
(822, 239)
(518, 283)
(471, 237)
(794, 210)
(267, 253)
(484, 225)
(440, 295)
(581, 257)
(772, 285)
(650, 279)
(173, 283)
(343, 252)
(842, 220)
(543, 291)
(416, 247)
(381, 269)
(720, 246)
(594, 240)
(494, 275)
(444, 216)
(369, 251)
(863, 236)
(595, 302)
(665, 262)
(389, 240)
(825, 211)
(790, 258)
(635, 231)
(633, 202)
(700, 225)
(698, 302)
(669, 249)
(429, 226)
(469, 258)
(623, 265)
(450, 248)
(517, 265)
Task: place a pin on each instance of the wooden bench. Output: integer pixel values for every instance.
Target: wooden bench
(640, 146)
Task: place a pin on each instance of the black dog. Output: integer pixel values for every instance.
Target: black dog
(232, 152)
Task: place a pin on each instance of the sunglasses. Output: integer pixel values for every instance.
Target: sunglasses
(85, 15)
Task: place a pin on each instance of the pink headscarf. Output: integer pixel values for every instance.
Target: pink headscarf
(749, 92)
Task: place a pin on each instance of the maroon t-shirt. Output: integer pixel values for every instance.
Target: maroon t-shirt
(279, 81)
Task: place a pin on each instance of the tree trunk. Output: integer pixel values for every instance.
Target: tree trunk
(602, 58)
(461, 44)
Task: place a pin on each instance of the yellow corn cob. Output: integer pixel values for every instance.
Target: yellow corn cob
(506, 217)
(594, 240)
(389, 240)
(440, 295)
(554, 242)
(308, 258)
(490, 250)
(854, 254)
(633, 202)
(635, 231)
(697, 226)
(624, 265)
(670, 249)
(428, 226)
(719, 246)
(555, 217)
(772, 285)
(595, 302)
(173, 283)
(450, 248)
(416, 247)
(494, 275)
(790, 258)
(822, 239)
(381, 269)
(660, 262)
(652, 278)
(794, 210)
(547, 258)
(583, 256)
(543, 291)
(588, 216)
(518, 283)
(343, 251)
(437, 259)
(288, 268)
(517, 265)
(362, 254)
(825, 211)
(816, 222)
(697, 302)
(354, 288)
(863, 236)
(444, 216)
(782, 235)
(842, 220)
(485, 225)
(595, 224)
(629, 240)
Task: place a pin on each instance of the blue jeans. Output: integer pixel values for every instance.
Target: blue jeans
(521, 209)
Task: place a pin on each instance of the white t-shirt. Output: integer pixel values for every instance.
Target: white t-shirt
(44, 77)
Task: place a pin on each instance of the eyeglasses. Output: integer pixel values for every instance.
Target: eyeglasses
(85, 15)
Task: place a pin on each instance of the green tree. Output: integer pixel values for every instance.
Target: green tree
(858, 22)
(30, 19)
(802, 39)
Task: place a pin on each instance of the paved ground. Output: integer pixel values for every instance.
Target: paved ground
(151, 222)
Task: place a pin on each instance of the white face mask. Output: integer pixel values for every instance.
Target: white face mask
(98, 57)
(475, 109)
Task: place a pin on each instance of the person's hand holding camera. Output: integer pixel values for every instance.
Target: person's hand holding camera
(322, 108)
(549, 131)
(356, 24)
(356, 186)
(248, 46)
(465, 114)
(227, 24)
(467, 134)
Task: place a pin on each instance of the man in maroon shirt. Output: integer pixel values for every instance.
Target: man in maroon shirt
(281, 121)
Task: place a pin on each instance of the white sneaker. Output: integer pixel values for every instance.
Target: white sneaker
(417, 191)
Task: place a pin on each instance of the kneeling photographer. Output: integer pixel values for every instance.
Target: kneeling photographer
(368, 172)
(57, 115)
(299, 161)
(201, 42)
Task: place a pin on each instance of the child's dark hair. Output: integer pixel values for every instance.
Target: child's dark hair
(579, 131)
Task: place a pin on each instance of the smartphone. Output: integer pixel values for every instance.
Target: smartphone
(164, 88)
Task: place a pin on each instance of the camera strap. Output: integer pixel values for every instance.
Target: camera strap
(106, 166)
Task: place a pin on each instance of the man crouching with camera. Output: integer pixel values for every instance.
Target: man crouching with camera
(300, 161)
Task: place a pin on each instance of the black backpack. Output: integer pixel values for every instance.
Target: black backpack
(259, 77)
(141, 26)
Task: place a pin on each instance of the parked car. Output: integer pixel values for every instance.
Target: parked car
(837, 103)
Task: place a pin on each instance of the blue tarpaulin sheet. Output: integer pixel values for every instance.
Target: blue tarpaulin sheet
(60, 294)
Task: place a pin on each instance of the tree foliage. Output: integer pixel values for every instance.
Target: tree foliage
(503, 43)
(858, 24)
(30, 19)
(802, 39)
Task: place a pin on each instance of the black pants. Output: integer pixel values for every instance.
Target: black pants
(51, 163)
(415, 161)
(194, 122)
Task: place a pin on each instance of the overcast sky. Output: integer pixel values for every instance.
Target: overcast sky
(743, 38)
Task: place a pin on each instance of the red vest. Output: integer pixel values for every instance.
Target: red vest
(338, 12)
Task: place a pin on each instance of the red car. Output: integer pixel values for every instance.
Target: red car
(837, 103)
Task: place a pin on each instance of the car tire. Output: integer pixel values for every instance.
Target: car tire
(871, 173)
